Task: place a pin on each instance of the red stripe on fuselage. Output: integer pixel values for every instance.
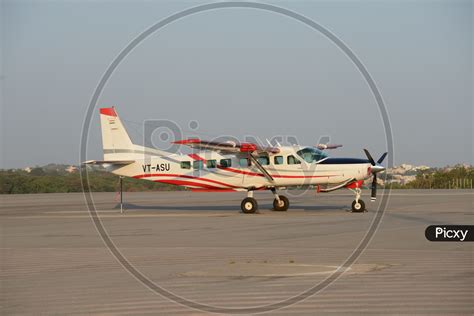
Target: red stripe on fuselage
(212, 190)
(249, 173)
(188, 183)
(241, 171)
(183, 176)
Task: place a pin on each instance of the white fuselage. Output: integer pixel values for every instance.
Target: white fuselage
(212, 170)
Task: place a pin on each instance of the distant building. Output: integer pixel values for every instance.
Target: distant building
(404, 173)
(71, 169)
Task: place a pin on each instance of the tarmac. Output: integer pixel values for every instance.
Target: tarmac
(199, 246)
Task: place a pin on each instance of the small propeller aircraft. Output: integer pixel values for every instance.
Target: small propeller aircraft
(232, 166)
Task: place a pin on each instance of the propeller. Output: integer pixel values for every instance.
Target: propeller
(376, 167)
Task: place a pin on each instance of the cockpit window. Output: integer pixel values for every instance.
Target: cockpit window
(310, 154)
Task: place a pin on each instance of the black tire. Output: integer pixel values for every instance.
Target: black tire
(249, 205)
(285, 204)
(358, 207)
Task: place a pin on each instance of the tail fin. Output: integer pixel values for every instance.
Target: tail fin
(115, 139)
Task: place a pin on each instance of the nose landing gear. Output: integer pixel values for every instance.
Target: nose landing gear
(358, 205)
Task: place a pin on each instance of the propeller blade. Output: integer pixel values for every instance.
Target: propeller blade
(372, 161)
(373, 194)
(382, 158)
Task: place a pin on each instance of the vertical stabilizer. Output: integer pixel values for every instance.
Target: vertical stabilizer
(115, 139)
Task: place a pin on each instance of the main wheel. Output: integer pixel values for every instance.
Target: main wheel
(358, 206)
(249, 205)
(281, 205)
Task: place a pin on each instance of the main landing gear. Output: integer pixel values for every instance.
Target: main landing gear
(281, 202)
(249, 205)
(358, 205)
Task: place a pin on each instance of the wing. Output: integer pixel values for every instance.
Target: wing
(327, 146)
(227, 147)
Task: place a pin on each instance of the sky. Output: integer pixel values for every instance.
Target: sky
(239, 72)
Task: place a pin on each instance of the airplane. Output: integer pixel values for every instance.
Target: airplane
(236, 166)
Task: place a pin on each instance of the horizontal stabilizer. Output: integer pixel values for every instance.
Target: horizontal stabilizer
(110, 162)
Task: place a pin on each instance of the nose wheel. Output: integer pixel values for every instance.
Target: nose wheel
(358, 205)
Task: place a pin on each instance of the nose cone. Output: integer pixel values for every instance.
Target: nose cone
(377, 168)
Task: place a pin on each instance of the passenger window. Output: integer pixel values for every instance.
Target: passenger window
(197, 164)
(244, 162)
(263, 160)
(225, 163)
(292, 160)
(185, 165)
(278, 160)
(211, 163)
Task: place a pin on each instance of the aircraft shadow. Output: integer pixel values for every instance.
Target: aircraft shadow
(323, 207)
(131, 206)
(233, 207)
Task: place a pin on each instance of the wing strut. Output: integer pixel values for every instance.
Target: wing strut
(261, 168)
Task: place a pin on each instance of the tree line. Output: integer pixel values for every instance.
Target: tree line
(39, 180)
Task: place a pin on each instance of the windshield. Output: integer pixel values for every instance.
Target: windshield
(311, 154)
